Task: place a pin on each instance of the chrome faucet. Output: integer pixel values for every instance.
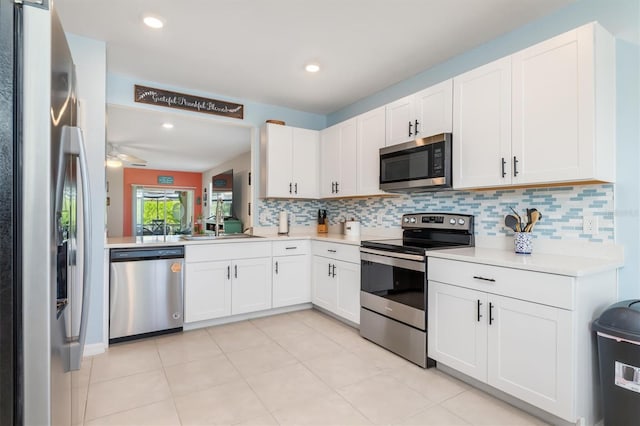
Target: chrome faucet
(218, 215)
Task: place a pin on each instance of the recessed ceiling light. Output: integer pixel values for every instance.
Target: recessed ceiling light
(153, 21)
(167, 125)
(312, 67)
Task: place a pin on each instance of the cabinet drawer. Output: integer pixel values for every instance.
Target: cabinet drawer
(291, 247)
(538, 287)
(344, 252)
(222, 251)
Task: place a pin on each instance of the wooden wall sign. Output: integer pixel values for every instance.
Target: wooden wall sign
(166, 98)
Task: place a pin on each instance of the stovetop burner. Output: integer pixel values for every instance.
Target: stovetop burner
(428, 231)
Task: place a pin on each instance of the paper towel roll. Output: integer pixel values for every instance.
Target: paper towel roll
(283, 223)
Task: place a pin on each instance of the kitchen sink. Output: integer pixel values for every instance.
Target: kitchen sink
(219, 237)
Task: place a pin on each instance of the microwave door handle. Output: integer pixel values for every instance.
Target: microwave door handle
(73, 143)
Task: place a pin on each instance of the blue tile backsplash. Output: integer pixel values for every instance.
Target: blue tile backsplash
(562, 209)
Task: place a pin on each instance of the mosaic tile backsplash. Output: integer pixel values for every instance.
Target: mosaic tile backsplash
(562, 210)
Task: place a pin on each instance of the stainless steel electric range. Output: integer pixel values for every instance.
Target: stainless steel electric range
(393, 296)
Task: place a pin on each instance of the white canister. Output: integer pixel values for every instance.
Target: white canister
(352, 228)
(283, 223)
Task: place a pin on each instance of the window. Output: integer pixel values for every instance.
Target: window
(162, 211)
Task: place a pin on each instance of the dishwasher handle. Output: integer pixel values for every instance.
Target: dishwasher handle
(140, 254)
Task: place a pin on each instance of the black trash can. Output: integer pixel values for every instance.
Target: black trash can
(618, 331)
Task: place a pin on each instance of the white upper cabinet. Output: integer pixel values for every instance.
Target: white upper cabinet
(425, 113)
(289, 162)
(338, 160)
(543, 115)
(349, 160)
(482, 126)
(564, 108)
(370, 138)
(434, 110)
(399, 115)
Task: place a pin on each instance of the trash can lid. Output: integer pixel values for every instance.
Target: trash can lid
(621, 319)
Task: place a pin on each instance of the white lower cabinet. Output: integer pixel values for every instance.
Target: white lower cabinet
(219, 288)
(529, 353)
(325, 287)
(251, 285)
(291, 280)
(336, 282)
(457, 333)
(348, 288)
(207, 291)
(522, 332)
(519, 347)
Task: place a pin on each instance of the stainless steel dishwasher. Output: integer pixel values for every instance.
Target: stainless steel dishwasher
(145, 292)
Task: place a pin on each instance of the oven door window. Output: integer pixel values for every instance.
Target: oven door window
(394, 283)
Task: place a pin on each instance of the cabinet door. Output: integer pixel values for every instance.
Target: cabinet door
(347, 159)
(279, 160)
(305, 163)
(325, 287)
(371, 138)
(482, 126)
(348, 291)
(434, 109)
(329, 161)
(291, 280)
(399, 115)
(553, 115)
(207, 290)
(529, 352)
(457, 327)
(251, 285)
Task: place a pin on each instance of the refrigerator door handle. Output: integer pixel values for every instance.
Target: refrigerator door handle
(73, 143)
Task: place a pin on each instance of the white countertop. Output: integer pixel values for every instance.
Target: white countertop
(574, 266)
(172, 240)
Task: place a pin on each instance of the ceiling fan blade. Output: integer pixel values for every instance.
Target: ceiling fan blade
(115, 154)
(130, 158)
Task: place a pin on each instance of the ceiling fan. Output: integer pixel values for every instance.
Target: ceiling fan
(116, 158)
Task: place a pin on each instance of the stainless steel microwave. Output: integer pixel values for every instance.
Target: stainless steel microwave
(421, 165)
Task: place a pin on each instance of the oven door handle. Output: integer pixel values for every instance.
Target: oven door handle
(415, 257)
(414, 265)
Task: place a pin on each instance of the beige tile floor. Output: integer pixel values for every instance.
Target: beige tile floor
(301, 368)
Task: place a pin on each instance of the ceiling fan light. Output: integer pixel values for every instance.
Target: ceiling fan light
(114, 163)
(167, 125)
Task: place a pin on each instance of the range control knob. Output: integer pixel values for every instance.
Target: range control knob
(406, 220)
(460, 221)
(452, 221)
(413, 220)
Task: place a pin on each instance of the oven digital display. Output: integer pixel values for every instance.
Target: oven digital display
(432, 219)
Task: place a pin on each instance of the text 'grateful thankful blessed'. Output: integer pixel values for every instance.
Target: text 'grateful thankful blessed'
(150, 95)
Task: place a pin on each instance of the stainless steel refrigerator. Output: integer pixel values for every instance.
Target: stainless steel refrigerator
(43, 171)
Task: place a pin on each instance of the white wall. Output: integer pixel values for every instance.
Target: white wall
(90, 58)
(242, 193)
(115, 205)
